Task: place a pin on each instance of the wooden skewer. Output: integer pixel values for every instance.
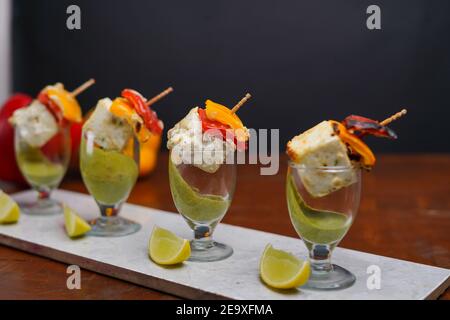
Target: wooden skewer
(241, 103)
(159, 96)
(83, 87)
(394, 117)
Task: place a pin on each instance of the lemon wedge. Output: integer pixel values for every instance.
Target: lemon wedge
(166, 248)
(9, 210)
(75, 225)
(281, 270)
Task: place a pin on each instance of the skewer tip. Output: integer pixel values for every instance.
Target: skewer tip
(241, 103)
(394, 117)
(83, 87)
(159, 96)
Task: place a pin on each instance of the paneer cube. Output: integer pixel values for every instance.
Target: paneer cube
(190, 146)
(35, 123)
(320, 147)
(109, 131)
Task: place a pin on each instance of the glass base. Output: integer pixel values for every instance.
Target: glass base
(214, 251)
(43, 207)
(337, 278)
(113, 227)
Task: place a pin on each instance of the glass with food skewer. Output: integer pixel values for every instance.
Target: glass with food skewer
(323, 221)
(109, 176)
(43, 144)
(110, 155)
(202, 198)
(43, 167)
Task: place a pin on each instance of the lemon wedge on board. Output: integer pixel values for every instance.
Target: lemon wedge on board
(166, 248)
(9, 210)
(280, 269)
(75, 225)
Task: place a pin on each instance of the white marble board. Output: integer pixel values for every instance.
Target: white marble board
(235, 278)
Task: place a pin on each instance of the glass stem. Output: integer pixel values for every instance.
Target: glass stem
(108, 211)
(320, 258)
(202, 238)
(43, 194)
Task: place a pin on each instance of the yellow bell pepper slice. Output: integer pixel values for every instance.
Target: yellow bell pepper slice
(69, 106)
(220, 113)
(122, 108)
(356, 144)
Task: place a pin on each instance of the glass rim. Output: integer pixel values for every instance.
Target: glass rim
(301, 166)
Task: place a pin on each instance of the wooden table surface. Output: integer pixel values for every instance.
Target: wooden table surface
(405, 214)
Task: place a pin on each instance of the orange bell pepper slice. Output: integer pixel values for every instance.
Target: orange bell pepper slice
(356, 144)
(149, 154)
(68, 105)
(123, 108)
(220, 113)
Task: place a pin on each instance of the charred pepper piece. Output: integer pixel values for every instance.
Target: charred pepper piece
(361, 126)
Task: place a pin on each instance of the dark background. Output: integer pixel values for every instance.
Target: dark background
(303, 61)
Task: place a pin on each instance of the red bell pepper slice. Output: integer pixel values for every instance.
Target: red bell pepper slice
(52, 107)
(221, 128)
(149, 116)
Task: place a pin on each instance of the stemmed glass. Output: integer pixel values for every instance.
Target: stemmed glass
(43, 168)
(203, 198)
(109, 176)
(322, 222)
